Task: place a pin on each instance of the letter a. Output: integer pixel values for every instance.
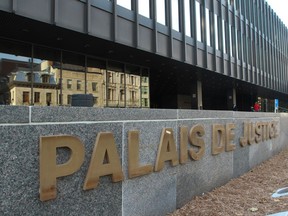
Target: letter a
(104, 150)
(167, 150)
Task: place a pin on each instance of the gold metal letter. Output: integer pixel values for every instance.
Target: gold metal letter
(273, 129)
(265, 131)
(49, 170)
(134, 169)
(258, 132)
(230, 135)
(218, 140)
(183, 145)
(104, 161)
(195, 135)
(167, 150)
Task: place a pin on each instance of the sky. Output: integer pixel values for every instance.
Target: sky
(280, 8)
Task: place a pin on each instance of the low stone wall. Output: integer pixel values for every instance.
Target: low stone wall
(210, 149)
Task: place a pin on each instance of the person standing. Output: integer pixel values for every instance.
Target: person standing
(256, 107)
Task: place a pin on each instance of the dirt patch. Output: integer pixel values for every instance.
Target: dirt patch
(249, 194)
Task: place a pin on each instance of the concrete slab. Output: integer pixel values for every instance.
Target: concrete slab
(19, 160)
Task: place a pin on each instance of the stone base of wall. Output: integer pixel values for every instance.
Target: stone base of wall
(155, 193)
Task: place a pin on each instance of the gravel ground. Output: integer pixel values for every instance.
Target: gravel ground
(249, 194)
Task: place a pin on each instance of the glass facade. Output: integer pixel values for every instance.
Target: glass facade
(41, 76)
(241, 39)
(226, 17)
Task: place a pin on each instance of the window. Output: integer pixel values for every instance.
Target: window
(29, 77)
(236, 4)
(161, 15)
(238, 49)
(216, 32)
(208, 40)
(224, 36)
(69, 99)
(144, 8)
(25, 97)
(249, 51)
(110, 77)
(60, 99)
(132, 80)
(144, 102)
(244, 47)
(242, 7)
(48, 98)
(187, 17)
(78, 84)
(45, 78)
(144, 79)
(122, 78)
(95, 100)
(36, 97)
(231, 41)
(247, 10)
(122, 95)
(69, 84)
(110, 94)
(198, 21)
(133, 96)
(12, 96)
(125, 3)
(94, 87)
(175, 15)
(144, 90)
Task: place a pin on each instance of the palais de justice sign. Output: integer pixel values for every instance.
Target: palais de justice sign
(105, 159)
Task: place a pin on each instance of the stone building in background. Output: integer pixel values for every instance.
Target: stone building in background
(109, 88)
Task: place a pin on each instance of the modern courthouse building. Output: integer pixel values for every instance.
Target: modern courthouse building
(185, 54)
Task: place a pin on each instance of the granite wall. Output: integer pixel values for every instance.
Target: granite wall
(157, 193)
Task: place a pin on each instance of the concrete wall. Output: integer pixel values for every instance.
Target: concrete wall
(154, 194)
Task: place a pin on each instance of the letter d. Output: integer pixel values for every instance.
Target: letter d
(50, 170)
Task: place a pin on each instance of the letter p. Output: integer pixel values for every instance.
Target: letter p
(50, 170)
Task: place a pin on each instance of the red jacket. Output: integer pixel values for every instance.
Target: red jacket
(256, 107)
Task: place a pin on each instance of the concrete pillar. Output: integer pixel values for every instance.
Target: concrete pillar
(231, 98)
(196, 91)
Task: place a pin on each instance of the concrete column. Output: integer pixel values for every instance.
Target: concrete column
(231, 98)
(196, 93)
(199, 95)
